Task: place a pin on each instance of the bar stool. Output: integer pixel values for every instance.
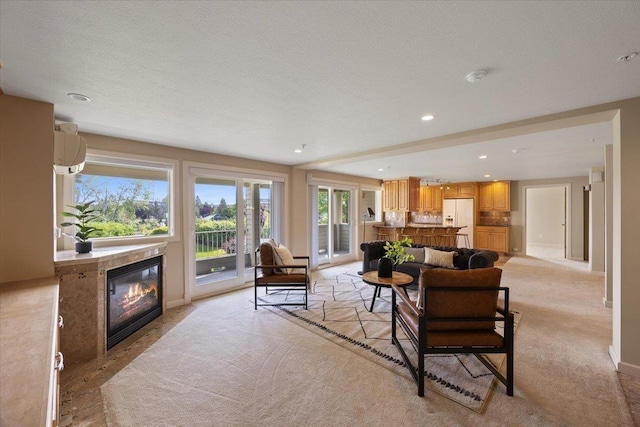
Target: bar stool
(465, 237)
(411, 233)
(383, 235)
(436, 238)
(422, 236)
(448, 238)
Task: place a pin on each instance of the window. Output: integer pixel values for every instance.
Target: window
(133, 196)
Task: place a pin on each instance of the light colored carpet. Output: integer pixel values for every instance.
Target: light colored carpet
(228, 365)
(338, 310)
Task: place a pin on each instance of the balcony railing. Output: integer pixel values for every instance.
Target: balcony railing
(211, 244)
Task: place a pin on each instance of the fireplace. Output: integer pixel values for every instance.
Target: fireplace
(134, 298)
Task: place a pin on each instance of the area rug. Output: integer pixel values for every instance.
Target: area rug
(338, 311)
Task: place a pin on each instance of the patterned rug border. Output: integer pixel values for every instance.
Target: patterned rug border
(399, 362)
(471, 399)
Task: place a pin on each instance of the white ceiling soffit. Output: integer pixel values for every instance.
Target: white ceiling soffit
(259, 79)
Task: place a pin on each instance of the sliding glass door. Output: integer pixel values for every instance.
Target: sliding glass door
(229, 216)
(335, 224)
(216, 230)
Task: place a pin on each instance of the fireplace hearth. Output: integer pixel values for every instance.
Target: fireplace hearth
(134, 298)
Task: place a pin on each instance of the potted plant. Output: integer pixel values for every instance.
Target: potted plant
(84, 215)
(395, 254)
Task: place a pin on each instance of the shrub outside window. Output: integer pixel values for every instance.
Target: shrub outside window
(133, 196)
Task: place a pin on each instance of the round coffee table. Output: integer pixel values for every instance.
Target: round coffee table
(397, 278)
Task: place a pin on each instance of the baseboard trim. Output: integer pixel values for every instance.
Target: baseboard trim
(614, 357)
(606, 303)
(175, 303)
(623, 367)
(629, 369)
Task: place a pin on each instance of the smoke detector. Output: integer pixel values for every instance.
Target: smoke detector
(476, 75)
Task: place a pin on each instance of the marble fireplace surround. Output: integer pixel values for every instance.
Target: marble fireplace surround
(83, 295)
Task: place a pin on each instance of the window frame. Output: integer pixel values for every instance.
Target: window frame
(127, 160)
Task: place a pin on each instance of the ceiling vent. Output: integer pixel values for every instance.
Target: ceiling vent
(69, 149)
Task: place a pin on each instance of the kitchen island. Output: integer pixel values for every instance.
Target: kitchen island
(426, 234)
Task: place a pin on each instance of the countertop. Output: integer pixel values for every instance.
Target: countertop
(28, 313)
(412, 225)
(68, 257)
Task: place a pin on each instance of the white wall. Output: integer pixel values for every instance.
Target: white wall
(596, 220)
(608, 196)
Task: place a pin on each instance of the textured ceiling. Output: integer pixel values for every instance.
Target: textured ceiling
(259, 79)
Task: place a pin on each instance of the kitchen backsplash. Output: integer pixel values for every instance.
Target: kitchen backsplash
(495, 218)
(394, 218)
(418, 218)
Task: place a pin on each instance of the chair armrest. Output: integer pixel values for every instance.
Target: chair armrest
(411, 304)
(281, 266)
(305, 257)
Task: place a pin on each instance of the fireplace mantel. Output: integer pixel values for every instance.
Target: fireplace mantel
(83, 295)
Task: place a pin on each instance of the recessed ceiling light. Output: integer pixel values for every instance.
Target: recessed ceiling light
(628, 57)
(79, 97)
(484, 156)
(486, 175)
(299, 150)
(515, 151)
(476, 75)
(380, 169)
(427, 117)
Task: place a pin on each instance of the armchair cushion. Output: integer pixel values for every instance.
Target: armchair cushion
(463, 338)
(283, 256)
(439, 304)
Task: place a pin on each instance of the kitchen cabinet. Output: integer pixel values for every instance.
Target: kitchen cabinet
(492, 238)
(494, 196)
(460, 191)
(390, 195)
(29, 350)
(401, 195)
(430, 199)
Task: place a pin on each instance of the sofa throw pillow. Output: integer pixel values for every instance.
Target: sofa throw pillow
(418, 254)
(438, 258)
(283, 257)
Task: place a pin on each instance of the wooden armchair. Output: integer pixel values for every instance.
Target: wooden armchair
(275, 268)
(456, 312)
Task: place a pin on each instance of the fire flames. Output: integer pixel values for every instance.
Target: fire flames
(136, 293)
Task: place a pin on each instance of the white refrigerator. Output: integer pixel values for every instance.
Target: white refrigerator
(459, 213)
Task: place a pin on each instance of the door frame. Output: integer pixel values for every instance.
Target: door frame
(567, 215)
(353, 216)
(189, 171)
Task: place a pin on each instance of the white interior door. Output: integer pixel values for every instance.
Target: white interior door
(546, 221)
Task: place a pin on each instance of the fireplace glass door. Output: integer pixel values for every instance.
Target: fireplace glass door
(134, 298)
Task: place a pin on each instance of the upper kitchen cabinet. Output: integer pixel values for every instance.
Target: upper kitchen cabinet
(495, 196)
(401, 195)
(390, 195)
(430, 199)
(460, 191)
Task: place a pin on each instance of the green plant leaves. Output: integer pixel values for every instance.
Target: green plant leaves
(395, 251)
(85, 214)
